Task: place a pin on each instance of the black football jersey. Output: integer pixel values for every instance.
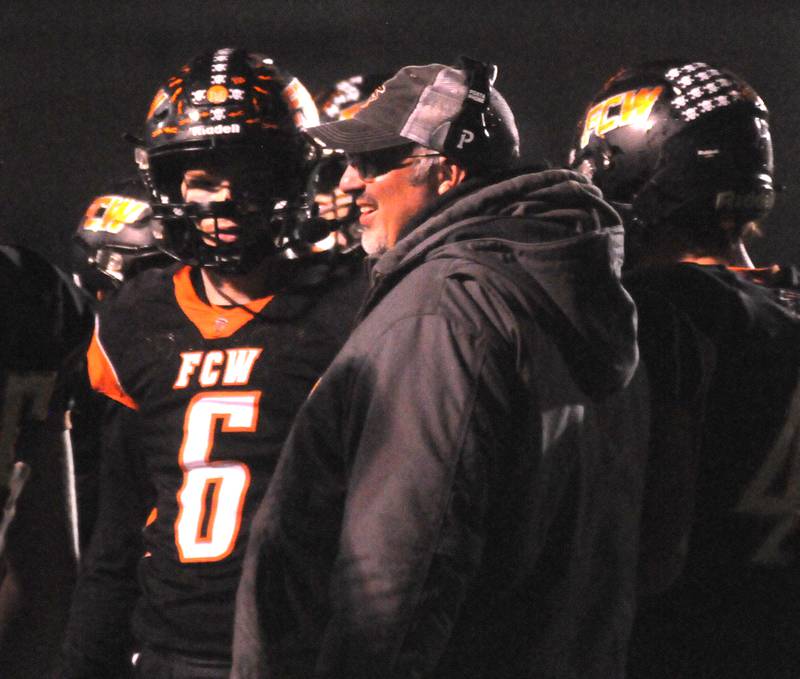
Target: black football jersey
(732, 611)
(215, 390)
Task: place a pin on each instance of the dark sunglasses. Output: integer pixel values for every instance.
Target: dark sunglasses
(371, 164)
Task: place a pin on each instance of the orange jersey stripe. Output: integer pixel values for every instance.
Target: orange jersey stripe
(212, 321)
(102, 374)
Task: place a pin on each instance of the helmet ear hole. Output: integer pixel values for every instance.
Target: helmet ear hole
(607, 159)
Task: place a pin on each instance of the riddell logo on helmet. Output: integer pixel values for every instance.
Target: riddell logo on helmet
(626, 108)
(201, 130)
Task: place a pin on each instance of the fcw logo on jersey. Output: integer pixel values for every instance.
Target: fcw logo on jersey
(231, 367)
(626, 108)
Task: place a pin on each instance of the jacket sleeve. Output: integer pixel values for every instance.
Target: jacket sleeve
(374, 525)
(98, 640)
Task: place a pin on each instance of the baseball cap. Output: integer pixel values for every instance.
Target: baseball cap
(452, 110)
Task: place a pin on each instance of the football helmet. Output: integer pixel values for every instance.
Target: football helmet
(114, 239)
(234, 113)
(678, 144)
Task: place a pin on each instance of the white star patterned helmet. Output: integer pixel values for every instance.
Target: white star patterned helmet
(678, 142)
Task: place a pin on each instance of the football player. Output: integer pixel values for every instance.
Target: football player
(114, 241)
(684, 150)
(210, 358)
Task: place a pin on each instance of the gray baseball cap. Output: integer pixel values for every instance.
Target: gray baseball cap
(436, 107)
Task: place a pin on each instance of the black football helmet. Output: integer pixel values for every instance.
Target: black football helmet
(114, 239)
(234, 112)
(678, 143)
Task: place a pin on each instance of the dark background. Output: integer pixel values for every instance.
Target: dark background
(75, 75)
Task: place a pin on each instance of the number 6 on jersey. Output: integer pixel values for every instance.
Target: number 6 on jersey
(212, 495)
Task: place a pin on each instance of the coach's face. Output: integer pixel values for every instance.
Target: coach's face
(392, 186)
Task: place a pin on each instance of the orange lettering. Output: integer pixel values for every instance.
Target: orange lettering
(634, 109)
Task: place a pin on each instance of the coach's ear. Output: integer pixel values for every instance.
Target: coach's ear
(449, 176)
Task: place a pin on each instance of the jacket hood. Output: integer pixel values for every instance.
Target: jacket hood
(553, 240)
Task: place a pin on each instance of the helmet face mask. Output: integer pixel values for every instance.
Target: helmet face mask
(234, 115)
(334, 205)
(681, 146)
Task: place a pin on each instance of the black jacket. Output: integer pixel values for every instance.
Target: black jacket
(459, 496)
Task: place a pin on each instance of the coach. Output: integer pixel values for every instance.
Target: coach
(459, 496)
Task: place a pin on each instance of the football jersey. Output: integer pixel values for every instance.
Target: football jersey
(215, 390)
(732, 611)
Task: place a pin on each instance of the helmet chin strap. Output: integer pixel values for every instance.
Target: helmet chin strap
(272, 277)
(215, 291)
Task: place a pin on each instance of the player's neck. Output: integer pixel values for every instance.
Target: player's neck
(225, 289)
(267, 278)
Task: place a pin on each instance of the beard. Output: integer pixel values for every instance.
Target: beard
(374, 241)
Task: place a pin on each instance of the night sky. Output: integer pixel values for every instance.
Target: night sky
(77, 75)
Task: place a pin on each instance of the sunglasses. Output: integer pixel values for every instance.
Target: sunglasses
(371, 164)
